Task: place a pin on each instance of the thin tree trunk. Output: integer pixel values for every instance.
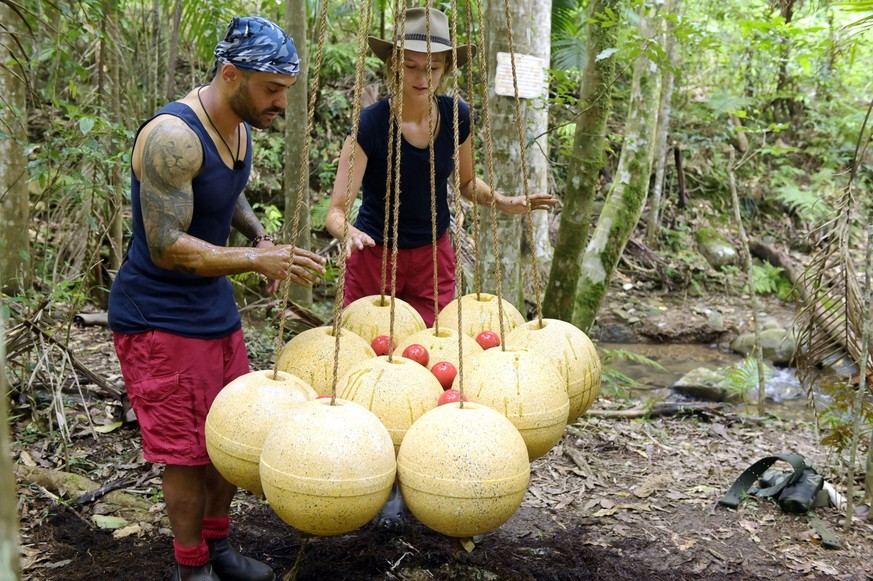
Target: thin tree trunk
(174, 52)
(14, 202)
(538, 151)
(116, 224)
(8, 493)
(585, 164)
(295, 135)
(507, 153)
(744, 240)
(664, 109)
(627, 195)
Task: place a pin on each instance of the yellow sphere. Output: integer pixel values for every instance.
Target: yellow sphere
(442, 346)
(480, 313)
(242, 416)
(526, 388)
(310, 356)
(328, 469)
(397, 391)
(573, 353)
(370, 317)
(463, 471)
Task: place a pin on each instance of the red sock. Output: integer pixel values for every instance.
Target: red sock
(191, 556)
(216, 527)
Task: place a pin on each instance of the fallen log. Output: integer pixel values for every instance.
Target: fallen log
(73, 486)
(661, 408)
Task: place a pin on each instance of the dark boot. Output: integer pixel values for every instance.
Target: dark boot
(201, 573)
(229, 565)
(394, 513)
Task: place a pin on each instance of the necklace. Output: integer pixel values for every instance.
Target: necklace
(237, 162)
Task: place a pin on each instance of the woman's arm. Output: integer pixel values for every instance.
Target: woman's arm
(340, 204)
(477, 191)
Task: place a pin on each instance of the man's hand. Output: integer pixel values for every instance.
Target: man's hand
(277, 263)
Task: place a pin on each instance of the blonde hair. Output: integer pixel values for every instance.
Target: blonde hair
(445, 81)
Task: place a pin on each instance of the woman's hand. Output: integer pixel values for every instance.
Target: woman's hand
(357, 239)
(519, 204)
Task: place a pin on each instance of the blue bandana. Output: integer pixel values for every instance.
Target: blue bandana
(257, 44)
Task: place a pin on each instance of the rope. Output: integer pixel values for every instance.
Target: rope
(363, 26)
(430, 130)
(477, 268)
(398, 103)
(489, 156)
(519, 129)
(457, 187)
(304, 173)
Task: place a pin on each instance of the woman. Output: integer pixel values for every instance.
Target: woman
(414, 278)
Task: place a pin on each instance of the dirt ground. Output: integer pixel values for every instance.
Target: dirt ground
(614, 500)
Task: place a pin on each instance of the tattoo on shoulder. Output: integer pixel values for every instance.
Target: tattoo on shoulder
(171, 157)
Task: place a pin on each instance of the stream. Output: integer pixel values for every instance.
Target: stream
(785, 396)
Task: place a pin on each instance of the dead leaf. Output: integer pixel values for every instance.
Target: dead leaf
(652, 484)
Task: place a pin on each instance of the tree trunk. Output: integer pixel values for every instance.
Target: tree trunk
(116, 224)
(8, 492)
(296, 167)
(627, 195)
(14, 204)
(664, 109)
(585, 164)
(174, 51)
(507, 153)
(538, 151)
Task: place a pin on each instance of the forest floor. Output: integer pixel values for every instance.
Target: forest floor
(616, 499)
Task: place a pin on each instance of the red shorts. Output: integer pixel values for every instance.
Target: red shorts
(171, 382)
(414, 276)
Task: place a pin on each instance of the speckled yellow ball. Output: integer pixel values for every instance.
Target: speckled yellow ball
(526, 388)
(398, 391)
(463, 471)
(573, 353)
(310, 356)
(442, 345)
(370, 317)
(328, 469)
(480, 312)
(240, 418)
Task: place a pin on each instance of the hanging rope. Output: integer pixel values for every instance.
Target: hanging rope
(430, 131)
(363, 27)
(519, 129)
(304, 173)
(489, 157)
(397, 55)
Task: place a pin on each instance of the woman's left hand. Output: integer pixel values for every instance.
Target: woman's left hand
(519, 205)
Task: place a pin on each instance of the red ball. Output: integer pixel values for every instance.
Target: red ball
(445, 373)
(488, 339)
(417, 353)
(382, 345)
(450, 396)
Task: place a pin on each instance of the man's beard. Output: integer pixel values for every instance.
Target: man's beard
(241, 103)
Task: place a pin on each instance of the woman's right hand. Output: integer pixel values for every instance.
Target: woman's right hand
(357, 239)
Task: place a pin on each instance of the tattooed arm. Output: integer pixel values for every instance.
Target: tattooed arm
(245, 220)
(167, 157)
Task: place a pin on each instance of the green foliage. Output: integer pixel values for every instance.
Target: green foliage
(319, 210)
(740, 381)
(769, 279)
(837, 415)
(616, 382)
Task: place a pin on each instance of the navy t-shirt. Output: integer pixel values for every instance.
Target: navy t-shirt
(415, 215)
(145, 296)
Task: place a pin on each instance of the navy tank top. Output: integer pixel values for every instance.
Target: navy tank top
(145, 296)
(414, 222)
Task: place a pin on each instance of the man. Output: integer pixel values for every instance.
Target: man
(175, 323)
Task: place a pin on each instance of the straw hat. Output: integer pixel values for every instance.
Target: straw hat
(415, 37)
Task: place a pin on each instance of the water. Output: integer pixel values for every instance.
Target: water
(785, 395)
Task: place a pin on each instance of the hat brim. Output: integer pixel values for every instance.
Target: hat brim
(382, 49)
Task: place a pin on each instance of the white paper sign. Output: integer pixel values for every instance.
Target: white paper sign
(530, 72)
